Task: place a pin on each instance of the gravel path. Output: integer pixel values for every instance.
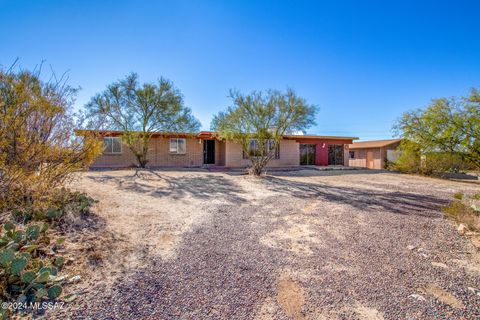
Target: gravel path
(297, 245)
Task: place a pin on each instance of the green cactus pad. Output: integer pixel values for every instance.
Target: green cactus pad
(18, 264)
(28, 276)
(6, 257)
(54, 291)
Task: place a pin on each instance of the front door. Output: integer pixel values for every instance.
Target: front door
(307, 154)
(209, 151)
(335, 155)
(370, 163)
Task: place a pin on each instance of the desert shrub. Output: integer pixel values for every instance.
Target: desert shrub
(458, 196)
(38, 155)
(29, 269)
(476, 196)
(38, 150)
(64, 207)
(409, 160)
(461, 212)
(442, 162)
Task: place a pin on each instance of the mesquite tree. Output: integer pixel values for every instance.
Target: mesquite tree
(140, 111)
(259, 120)
(448, 126)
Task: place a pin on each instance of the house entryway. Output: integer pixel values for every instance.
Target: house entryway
(208, 151)
(307, 154)
(335, 155)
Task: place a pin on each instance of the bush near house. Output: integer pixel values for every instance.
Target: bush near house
(38, 155)
(413, 160)
(443, 137)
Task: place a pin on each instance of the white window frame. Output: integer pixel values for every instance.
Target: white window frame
(174, 141)
(105, 151)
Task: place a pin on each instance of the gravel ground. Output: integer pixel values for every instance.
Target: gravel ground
(293, 245)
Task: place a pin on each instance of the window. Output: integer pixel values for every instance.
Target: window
(178, 145)
(277, 150)
(254, 149)
(112, 145)
(352, 154)
(392, 155)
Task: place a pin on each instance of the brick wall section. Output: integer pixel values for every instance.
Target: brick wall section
(227, 153)
(158, 155)
(289, 155)
(125, 159)
(219, 153)
(163, 158)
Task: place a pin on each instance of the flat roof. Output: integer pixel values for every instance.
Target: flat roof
(304, 136)
(373, 144)
(207, 134)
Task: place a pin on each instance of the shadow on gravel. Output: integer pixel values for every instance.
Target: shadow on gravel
(220, 272)
(394, 202)
(330, 172)
(205, 187)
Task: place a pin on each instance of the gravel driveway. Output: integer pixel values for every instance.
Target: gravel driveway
(294, 245)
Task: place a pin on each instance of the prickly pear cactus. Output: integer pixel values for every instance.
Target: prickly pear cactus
(26, 274)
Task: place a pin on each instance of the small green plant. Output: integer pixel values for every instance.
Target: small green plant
(28, 268)
(476, 196)
(458, 196)
(476, 209)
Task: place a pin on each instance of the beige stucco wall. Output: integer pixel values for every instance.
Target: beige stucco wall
(379, 154)
(346, 155)
(361, 158)
(289, 155)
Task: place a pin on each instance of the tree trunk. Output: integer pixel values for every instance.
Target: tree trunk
(256, 171)
(258, 165)
(142, 154)
(142, 160)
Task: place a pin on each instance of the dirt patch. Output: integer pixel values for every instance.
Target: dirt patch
(311, 207)
(471, 265)
(366, 313)
(296, 238)
(439, 265)
(443, 296)
(290, 296)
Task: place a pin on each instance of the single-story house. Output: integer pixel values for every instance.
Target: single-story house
(373, 154)
(175, 149)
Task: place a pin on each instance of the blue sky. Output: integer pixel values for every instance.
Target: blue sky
(361, 62)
